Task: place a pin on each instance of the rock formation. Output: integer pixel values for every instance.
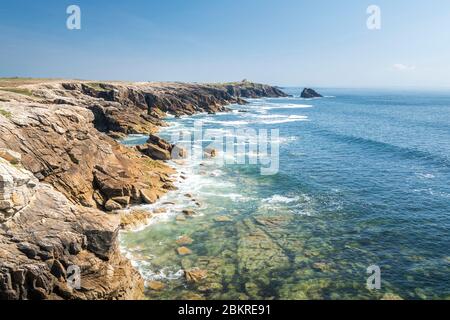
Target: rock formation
(310, 93)
(61, 171)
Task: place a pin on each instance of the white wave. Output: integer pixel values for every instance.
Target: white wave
(288, 106)
(280, 199)
(288, 119)
(227, 123)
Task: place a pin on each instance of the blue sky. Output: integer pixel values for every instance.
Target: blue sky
(319, 43)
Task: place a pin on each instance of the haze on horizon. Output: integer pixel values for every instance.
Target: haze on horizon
(287, 42)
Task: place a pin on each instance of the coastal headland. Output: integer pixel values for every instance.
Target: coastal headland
(63, 174)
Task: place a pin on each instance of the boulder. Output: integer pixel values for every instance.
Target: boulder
(210, 153)
(183, 251)
(223, 219)
(195, 275)
(188, 212)
(155, 152)
(111, 205)
(308, 93)
(155, 285)
(149, 196)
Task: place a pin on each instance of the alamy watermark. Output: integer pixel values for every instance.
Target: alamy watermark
(231, 146)
(374, 19)
(73, 22)
(74, 277)
(374, 280)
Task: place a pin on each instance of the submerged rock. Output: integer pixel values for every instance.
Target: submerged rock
(223, 219)
(184, 251)
(391, 296)
(195, 275)
(188, 212)
(156, 285)
(180, 218)
(184, 240)
(134, 219)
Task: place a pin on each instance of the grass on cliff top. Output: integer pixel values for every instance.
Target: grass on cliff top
(96, 86)
(15, 82)
(25, 92)
(6, 114)
(244, 84)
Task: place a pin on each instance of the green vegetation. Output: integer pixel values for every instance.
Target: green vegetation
(23, 91)
(96, 86)
(6, 114)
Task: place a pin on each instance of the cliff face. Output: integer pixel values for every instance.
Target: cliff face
(60, 170)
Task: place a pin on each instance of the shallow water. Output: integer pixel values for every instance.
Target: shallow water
(363, 180)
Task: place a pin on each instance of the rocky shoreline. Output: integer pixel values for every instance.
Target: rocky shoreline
(63, 176)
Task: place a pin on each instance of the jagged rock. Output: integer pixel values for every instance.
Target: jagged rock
(155, 152)
(308, 93)
(10, 156)
(124, 201)
(149, 196)
(195, 275)
(61, 133)
(17, 188)
(111, 205)
(134, 219)
(50, 226)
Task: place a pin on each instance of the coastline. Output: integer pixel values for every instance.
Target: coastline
(117, 180)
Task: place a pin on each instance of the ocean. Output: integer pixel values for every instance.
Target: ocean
(362, 181)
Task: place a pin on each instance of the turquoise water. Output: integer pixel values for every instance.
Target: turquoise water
(363, 180)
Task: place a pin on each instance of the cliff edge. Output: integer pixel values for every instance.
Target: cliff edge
(62, 171)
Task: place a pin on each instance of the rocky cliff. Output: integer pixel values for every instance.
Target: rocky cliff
(61, 171)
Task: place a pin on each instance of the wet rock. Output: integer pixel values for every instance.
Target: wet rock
(188, 212)
(184, 251)
(180, 218)
(134, 219)
(159, 211)
(210, 287)
(258, 252)
(322, 266)
(155, 285)
(210, 153)
(190, 296)
(184, 240)
(223, 219)
(391, 296)
(195, 275)
(155, 152)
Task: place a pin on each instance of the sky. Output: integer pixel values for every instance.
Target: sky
(318, 43)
